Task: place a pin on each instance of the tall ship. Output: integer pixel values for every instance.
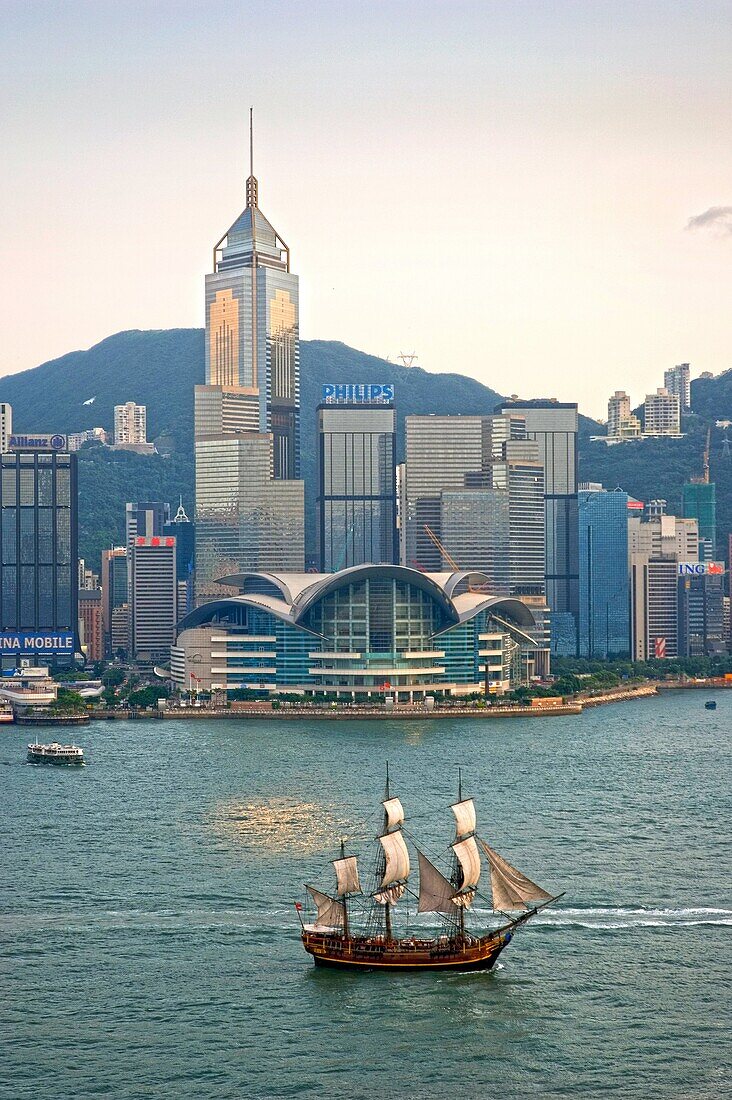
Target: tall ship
(354, 926)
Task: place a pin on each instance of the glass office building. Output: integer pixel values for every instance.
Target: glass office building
(252, 333)
(440, 451)
(447, 459)
(553, 425)
(244, 518)
(604, 607)
(38, 540)
(356, 485)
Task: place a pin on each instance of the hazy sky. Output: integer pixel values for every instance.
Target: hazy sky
(503, 187)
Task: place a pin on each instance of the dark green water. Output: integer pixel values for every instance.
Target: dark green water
(149, 947)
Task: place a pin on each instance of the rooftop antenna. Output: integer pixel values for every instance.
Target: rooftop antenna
(252, 187)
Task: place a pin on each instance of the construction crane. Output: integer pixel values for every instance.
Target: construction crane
(450, 559)
(445, 553)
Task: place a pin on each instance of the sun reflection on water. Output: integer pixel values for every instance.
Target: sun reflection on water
(280, 825)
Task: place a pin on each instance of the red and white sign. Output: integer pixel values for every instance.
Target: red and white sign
(659, 648)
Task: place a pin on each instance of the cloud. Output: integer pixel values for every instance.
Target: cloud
(717, 218)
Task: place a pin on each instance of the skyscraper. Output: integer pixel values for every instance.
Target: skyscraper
(553, 425)
(38, 534)
(604, 617)
(440, 452)
(115, 597)
(249, 503)
(153, 608)
(356, 480)
(252, 331)
(245, 519)
(181, 528)
(477, 483)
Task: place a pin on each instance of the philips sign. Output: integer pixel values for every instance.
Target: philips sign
(701, 568)
(41, 642)
(37, 442)
(355, 393)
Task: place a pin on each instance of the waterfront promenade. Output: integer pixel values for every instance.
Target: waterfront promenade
(403, 712)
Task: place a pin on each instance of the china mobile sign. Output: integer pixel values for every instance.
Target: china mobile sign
(701, 568)
(356, 393)
(42, 642)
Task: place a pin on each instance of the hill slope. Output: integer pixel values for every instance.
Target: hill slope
(160, 368)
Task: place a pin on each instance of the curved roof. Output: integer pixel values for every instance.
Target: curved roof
(300, 591)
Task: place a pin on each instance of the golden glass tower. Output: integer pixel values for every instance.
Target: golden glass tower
(249, 501)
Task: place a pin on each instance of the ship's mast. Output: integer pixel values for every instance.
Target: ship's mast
(387, 907)
(345, 897)
(461, 910)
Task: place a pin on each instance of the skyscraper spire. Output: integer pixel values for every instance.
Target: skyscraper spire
(252, 185)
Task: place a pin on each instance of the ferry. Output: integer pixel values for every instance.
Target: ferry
(6, 712)
(69, 755)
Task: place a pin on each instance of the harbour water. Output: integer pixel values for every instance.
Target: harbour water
(149, 946)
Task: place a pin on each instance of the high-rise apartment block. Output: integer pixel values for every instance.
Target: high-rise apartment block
(662, 413)
(604, 618)
(677, 380)
(356, 477)
(622, 423)
(249, 501)
(553, 424)
(6, 425)
(38, 535)
(130, 423)
(153, 606)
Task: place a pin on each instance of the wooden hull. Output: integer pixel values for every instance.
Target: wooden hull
(362, 953)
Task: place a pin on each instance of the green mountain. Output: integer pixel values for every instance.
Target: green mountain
(160, 368)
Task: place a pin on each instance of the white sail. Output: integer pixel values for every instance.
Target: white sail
(435, 891)
(511, 889)
(394, 812)
(397, 858)
(330, 911)
(469, 860)
(392, 894)
(346, 870)
(464, 816)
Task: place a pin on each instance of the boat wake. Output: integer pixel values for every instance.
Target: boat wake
(604, 919)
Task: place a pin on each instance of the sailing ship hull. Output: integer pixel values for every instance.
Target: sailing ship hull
(362, 953)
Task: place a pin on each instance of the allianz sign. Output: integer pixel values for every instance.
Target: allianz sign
(700, 568)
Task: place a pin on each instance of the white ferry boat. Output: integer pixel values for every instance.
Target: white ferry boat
(6, 712)
(55, 754)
